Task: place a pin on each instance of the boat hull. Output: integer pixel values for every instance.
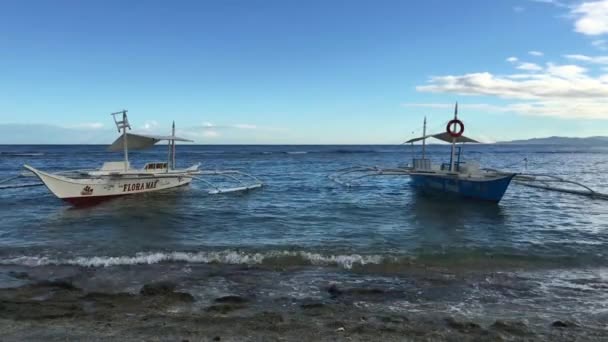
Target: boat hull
(488, 189)
(91, 191)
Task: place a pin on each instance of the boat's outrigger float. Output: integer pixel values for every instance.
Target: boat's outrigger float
(118, 178)
(465, 179)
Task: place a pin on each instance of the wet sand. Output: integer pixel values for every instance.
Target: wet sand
(58, 310)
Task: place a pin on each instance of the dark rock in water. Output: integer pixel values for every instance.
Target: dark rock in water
(158, 288)
(271, 317)
(224, 308)
(61, 284)
(19, 275)
(183, 296)
(334, 291)
(33, 310)
(335, 324)
(511, 327)
(107, 296)
(232, 299)
(217, 338)
(166, 290)
(462, 326)
(563, 324)
(393, 319)
(312, 305)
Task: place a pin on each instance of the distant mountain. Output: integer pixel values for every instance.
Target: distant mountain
(560, 141)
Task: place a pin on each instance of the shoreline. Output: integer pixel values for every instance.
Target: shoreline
(59, 309)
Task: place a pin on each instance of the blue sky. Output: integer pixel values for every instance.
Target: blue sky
(302, 71)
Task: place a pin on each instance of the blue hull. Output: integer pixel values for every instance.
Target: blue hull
(487, 190)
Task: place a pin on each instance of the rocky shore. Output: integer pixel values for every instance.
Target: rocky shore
(58, 310)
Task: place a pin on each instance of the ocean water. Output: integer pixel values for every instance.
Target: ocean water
(539, 254)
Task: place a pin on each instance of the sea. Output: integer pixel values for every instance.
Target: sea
(537, 255)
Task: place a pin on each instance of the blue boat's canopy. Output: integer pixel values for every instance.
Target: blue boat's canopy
(445, 136)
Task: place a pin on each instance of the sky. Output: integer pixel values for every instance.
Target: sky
(302, 72)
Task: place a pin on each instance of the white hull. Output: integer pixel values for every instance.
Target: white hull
(76, 190)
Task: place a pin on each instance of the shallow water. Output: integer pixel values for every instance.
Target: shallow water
(537, 252)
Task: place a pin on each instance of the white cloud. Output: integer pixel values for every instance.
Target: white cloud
(461, 106)
(566, 91)
(210, 134)
(535, 53)
(87, 125)
(245, 126)
(591, 17)
(512, 59)
(568, 72)
(529, 67)
(239, 126)
(150, 125)
(588, 59)
(552, 2)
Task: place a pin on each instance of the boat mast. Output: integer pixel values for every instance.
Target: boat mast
(453, 141)
(168, 154)
(424, 138)
(173, 146)
(124, 124)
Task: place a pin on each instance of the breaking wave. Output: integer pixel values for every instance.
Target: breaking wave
(452, 259)
(209, 257)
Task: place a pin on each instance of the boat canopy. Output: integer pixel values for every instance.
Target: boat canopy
(445, 136)
(141, 141)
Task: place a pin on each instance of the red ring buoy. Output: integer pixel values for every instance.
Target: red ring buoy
(460, 128)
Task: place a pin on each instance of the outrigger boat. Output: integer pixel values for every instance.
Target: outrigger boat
(118, 178)
(462, 178)
(465, 179)
(459, 177)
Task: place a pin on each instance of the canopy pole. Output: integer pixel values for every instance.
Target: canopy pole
(453, 141)
(123, 124)
(124, 140)
(168, 154)
(424, 140)
(173, 147)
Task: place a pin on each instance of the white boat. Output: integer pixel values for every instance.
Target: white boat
(118, 178)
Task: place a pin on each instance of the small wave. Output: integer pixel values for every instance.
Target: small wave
(212, 257)
(296, 152)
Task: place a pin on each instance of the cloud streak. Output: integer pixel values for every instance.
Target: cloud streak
(556, 90)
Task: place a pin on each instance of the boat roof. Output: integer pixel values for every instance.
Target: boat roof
(445, 136)
(141, 141)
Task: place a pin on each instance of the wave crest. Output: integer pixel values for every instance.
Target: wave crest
(232, 257)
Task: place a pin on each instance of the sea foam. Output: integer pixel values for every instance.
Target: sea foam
(233, 257)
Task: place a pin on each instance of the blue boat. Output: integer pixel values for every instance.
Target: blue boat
(464, 179)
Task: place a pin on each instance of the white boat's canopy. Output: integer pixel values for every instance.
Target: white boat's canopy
(141, 141)
(445, 136)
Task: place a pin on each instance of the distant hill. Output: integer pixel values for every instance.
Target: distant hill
(560, 141)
